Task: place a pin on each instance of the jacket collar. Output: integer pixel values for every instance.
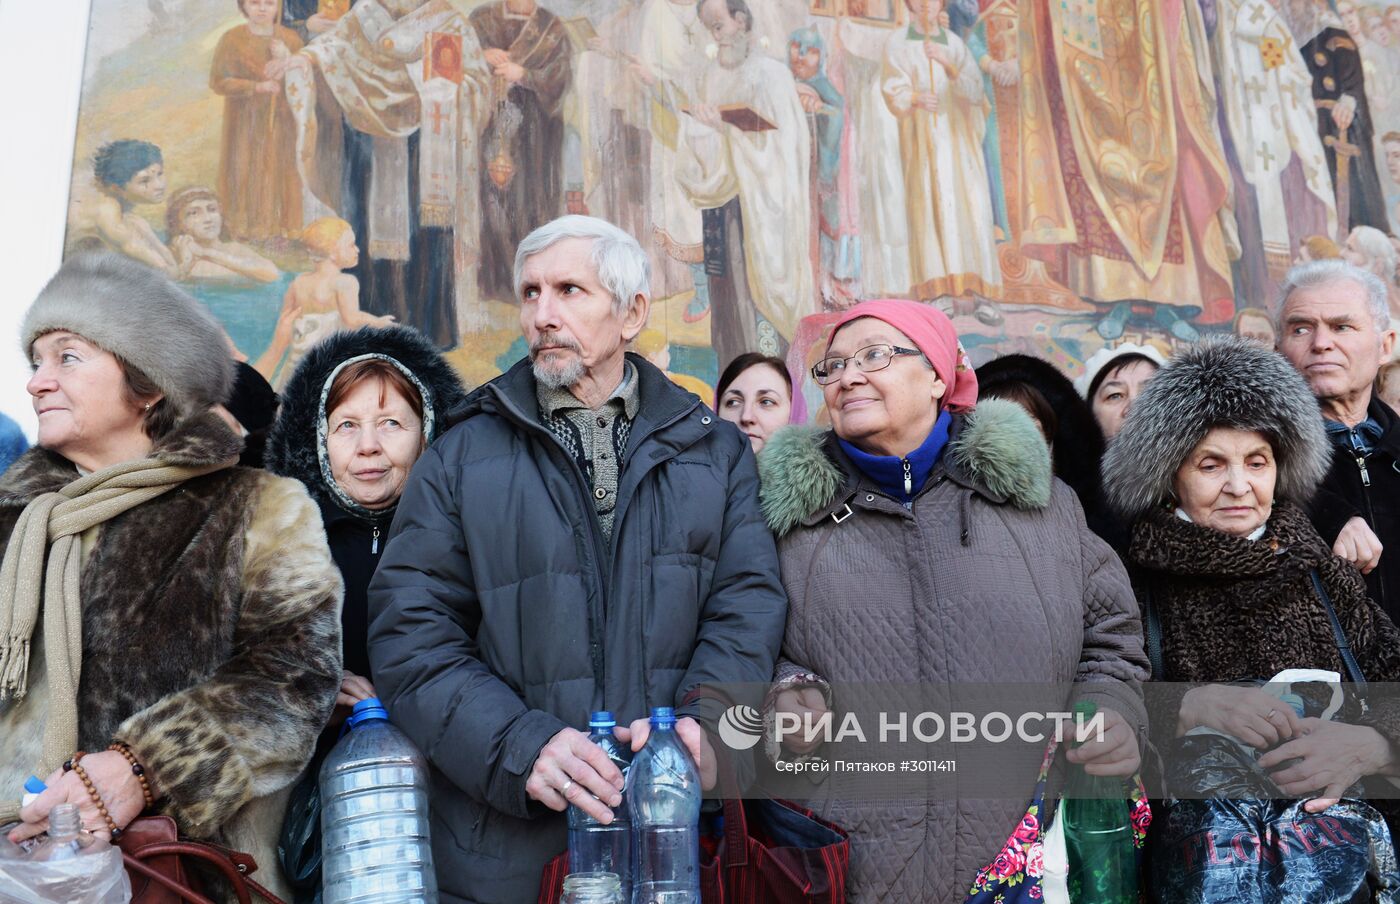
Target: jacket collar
(1384, 415)
(996, 452)
(661, 405)
(1166, 543)
(199, 440)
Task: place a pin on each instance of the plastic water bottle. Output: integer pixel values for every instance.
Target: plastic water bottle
(70, 866)
(1098, 835)
(592, 888)
(374, 819)
(594, 847)
(66, 838)
(663, 797)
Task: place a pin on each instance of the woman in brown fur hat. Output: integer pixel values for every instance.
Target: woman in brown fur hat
(1212, 467)
(172, 614)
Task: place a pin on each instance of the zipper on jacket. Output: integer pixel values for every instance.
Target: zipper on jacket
(1365, 475)
(908, 479)
(374, 541)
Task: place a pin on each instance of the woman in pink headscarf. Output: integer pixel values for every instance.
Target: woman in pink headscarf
(926, 550)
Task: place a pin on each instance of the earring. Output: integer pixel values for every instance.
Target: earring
(148, 406)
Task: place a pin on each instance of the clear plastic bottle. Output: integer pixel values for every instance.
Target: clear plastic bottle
(592, 888)
(1098, 835)
(663, 797)
(68, 866)
(594, 847)
(375, 847)
(66, 838)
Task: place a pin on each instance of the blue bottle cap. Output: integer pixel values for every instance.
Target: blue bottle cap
(370, 710)
(34, 785)
(601, 719)
(663, 716)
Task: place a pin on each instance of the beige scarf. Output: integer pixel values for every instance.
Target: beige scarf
(41, 568)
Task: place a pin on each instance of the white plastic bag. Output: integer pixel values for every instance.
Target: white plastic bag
(96, 877)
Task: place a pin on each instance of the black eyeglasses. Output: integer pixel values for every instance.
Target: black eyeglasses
(868, 359)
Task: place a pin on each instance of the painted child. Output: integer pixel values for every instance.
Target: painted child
(321, 302)
(258, 179)
(199, 239)
(129, 174)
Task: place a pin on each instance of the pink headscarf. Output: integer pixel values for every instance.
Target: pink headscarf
(933, 334)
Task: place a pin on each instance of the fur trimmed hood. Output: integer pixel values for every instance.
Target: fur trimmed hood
(1226, 382)
(142, 317)
(296, 444)
(995, 451)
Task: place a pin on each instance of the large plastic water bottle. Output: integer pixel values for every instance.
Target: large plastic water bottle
(663, 797)
(374, 818)
(594, 847)
(1098, 835)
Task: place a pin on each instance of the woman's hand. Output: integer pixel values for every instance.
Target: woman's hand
(1114, 752)
(110, 774)
(1331, 757)
(807, 705)
(1248, 714)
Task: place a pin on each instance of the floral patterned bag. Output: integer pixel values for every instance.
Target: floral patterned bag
(1016, 876)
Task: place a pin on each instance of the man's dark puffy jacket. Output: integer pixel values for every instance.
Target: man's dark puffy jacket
(500, 615)
(1373, 492)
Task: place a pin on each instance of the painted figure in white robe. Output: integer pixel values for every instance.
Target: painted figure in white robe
(751, 181)
(1266, 92)
(934, 88)
(395, 154)
(670, 57)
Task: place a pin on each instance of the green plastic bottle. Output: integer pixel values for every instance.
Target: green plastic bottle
(1098, 834)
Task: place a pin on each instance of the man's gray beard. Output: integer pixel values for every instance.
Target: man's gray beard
(733, 57)
(560, 377)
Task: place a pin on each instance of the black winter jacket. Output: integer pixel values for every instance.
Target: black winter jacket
(499, 615)
(1370, 489)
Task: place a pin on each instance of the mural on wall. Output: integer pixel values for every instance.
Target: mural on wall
(1057, 175)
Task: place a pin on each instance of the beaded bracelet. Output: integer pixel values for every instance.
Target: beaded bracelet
(137, 770)
(73, 765)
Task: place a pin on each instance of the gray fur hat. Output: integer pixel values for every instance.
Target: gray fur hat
(1225, 382)
(143, 318)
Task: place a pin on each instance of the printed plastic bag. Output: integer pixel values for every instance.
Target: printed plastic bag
(1250, 844)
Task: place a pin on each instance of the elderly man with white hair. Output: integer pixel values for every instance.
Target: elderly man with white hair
(585, 536)
(1333, 324)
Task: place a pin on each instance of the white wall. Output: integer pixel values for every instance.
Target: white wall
(41, 69)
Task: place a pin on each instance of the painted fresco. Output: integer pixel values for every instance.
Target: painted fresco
(1058, 175)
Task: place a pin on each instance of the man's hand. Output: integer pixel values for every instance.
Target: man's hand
(1114, 753)
(268, 87)
(511, 72)
(707, 114)
(926, 102)
(809, 98)
(806, 703)
(571, 769)
(696, 741)
(495, 56)
(1359, 545)
(319, 24)
(1344, 112)
(1332, 756)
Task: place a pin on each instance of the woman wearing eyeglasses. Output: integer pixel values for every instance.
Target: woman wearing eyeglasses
(924, 541)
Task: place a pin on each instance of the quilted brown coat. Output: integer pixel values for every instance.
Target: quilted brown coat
(211, 639)
(990, 576)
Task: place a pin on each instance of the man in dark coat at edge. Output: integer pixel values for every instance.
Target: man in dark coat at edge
(585, 536)
(1334, 326)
